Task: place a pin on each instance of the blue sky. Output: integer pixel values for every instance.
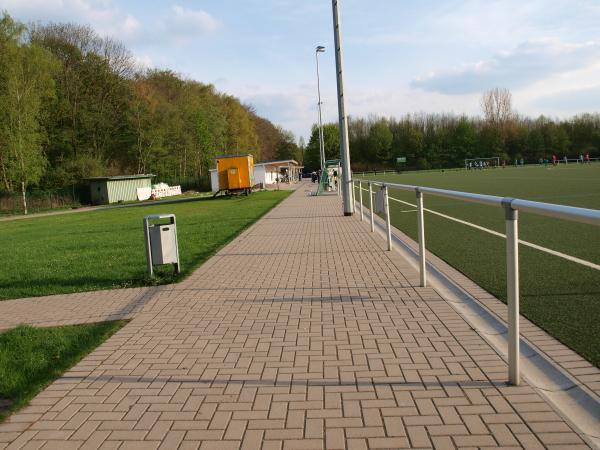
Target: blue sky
(401, 56)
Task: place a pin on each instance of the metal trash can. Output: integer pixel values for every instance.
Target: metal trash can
(161, 242)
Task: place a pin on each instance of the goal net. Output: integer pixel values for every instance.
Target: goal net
(482, 163)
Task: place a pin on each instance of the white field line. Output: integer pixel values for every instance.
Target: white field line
(583, 262)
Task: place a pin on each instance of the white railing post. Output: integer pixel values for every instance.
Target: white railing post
(512, 290)
(421, 232)
(361, 200)
(371, 207)
(387, 217)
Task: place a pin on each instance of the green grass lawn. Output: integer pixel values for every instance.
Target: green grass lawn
(105, 249)
(560, 296)
(31, 358)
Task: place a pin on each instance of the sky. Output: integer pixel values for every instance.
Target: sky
(400, 56)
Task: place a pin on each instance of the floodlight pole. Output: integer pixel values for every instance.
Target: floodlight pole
(347, 193)
(318, 50)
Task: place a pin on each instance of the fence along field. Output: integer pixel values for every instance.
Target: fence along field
(560, 292)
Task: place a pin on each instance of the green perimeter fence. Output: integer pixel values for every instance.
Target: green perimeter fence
(77, 195)
(41, 200)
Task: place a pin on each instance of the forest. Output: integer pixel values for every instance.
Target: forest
(74, 104)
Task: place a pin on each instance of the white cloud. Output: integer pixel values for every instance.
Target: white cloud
(486, 22)
(562, 94)
(527, 64)
(569, 102)
(397, 102)
(185, 22)
(143, 61)
(102, 15)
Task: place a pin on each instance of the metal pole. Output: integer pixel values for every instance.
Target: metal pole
(387, 217)
(321, 144)
(361, 200)
(178, 265)
(512, 290)
(421, 232)
(371, 207)
(148, 247)
(344, 148)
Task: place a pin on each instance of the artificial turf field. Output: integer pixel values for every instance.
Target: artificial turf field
(105, 249)
(560, 296)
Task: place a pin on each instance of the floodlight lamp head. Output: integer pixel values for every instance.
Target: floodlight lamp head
(320, 49)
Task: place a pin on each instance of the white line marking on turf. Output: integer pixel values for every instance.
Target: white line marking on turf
(583, 262)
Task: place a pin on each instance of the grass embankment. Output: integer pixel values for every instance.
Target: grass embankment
(31, 358)
(105, 249)
(560, 296)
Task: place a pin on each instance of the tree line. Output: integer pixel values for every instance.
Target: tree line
(75, 105)
(445, 140)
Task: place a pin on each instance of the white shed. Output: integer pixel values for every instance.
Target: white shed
(266, 173)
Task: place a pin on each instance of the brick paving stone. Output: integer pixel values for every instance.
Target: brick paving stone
(302, 333)
(418, 436)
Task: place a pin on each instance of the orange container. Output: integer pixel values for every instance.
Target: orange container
(235, 172)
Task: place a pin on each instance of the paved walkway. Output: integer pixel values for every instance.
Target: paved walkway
(85, 307)
(302, 333)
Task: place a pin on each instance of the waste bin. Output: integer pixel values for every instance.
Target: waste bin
(161, 241)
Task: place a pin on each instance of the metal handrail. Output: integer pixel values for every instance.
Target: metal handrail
(511, 206)
(573, 213)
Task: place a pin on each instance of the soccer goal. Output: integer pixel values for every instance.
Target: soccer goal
(482, 163)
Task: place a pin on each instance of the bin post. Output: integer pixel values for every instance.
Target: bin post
(387, 217)
(148, 246)
(178, 263)
(512, 290)
(421, 232)
(371, 207)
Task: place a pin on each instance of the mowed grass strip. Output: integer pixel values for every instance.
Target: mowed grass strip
(560, 296)
(105, 249)
(31, 358)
